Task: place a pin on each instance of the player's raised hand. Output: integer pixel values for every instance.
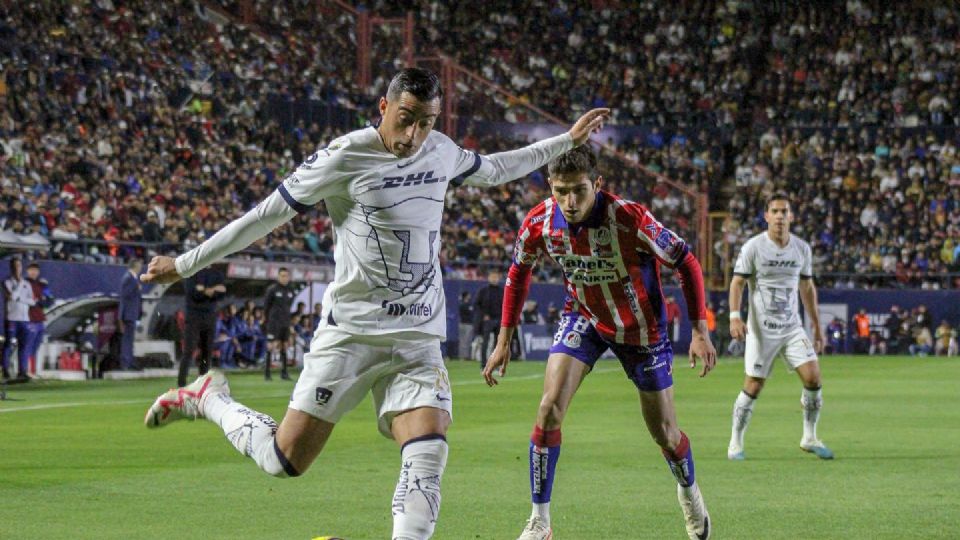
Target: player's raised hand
(701, 347)
(160, 270)
(591, 122)
(499, 358)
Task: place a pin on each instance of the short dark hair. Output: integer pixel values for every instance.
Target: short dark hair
(579, 160)
(421, 83)
(33, 265)
(283, 269)
(777, 196)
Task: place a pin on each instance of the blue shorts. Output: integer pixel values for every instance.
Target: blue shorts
(649, 367)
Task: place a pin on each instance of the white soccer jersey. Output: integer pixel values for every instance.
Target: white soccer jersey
(386, 213)
(774, 274)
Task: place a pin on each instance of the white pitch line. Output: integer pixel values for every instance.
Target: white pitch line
(46, 406)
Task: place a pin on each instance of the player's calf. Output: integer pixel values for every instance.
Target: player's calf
(416, 500)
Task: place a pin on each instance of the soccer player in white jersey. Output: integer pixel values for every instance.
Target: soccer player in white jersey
(384, 314)
(776, 264)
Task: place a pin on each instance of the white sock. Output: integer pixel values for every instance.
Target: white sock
(742, 411)
(416, 501)
(251, 432)
(811, 401)
(542, 511)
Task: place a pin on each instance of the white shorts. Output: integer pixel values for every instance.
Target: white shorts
(403, 371)
(760, 353)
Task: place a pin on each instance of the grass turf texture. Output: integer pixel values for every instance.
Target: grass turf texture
(76, 461)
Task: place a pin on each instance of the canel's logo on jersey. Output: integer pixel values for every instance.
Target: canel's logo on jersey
(585, 263)
(412, 179)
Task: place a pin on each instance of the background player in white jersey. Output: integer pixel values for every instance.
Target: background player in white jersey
(776, 264)
(384, 314)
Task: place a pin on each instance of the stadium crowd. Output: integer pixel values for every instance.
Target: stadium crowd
(144, 122)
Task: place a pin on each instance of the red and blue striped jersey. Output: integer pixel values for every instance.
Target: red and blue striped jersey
(611, 267)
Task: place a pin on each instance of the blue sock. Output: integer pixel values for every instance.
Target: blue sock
(681, 461)
(544, 453)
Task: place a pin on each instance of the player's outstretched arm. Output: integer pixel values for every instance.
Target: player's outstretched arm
(238, 234)
(503, 167)
(500, 356)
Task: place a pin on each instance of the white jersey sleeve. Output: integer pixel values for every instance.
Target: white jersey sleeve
(806, 271)
(319, 176)
(746, 265)
(473, 169)
(238, 234)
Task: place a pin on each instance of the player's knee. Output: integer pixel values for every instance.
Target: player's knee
(280, 466)
(550, 415)
(666, 435)
(752, 386)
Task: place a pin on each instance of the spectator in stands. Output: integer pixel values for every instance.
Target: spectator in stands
(130, 311)
(553, 314)
(531, 314)
(460, 348)
(317, 315)
(18, 296)
(946, 339)
(835, 337)
(227, 331)
(673, 318)
(861, 336)
(923, 341)
(43, 299)
(203, 291)
(277, 301)
(892, 331)
(712, 322)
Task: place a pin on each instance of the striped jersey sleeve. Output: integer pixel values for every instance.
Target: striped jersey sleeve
(667, 246)
(529, 246)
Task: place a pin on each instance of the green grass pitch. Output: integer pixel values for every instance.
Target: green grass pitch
(77, 463)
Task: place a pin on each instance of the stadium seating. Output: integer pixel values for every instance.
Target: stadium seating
(159, 123)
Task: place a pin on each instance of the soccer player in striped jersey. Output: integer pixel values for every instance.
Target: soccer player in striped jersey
(776, 265)
(610, 251)
(384, 314)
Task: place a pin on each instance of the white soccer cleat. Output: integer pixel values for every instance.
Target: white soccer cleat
(694, 512)
(178, 403)
(735, 453)
(536, 529)
(817, 448)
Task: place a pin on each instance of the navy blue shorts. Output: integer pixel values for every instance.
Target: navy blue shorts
(649, 367)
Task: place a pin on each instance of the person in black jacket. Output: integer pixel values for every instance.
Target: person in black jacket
(276, 305)
(203, 290)
(131, 308)
(487, 305)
